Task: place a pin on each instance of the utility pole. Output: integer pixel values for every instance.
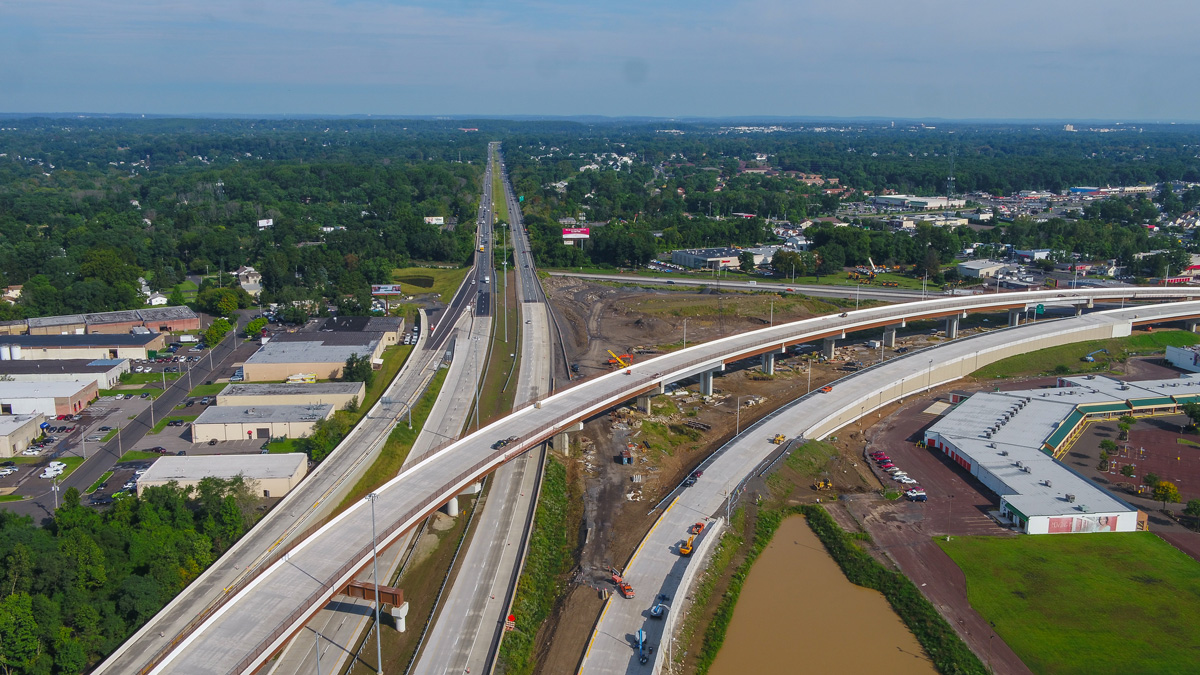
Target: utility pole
(375, 567)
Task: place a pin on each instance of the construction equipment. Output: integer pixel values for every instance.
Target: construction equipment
(778, 439)
(643, 648)
(823, 485)
(625, 457)
(697, 425)
(696, 529)
(1089, 358)
(686, 548)
(623, 586)
(826, 389)
(623, 360)
(658, 611)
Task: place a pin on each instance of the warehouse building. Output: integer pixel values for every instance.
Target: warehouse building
(169, 319)
(322, 354)
(112, 323)
(980, 269)
(68, 324)
(390, 328)
(18, 431)
(79, 346)
(46, 398)
(106, 373)
(336, 394)
(918, 203)
(237, 423)
(1184, 358)
(1011, 441)
(269, 475)
(706, 258)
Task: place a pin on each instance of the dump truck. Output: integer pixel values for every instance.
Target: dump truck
(686, 548)
(778, 439)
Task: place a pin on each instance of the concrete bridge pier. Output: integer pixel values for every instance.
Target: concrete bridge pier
(889, 337)
(1079, 309)
(768, 363)
(643, 403)
(1014, 317)
(562, 442)
(473, 489)
(951, 327)
(399, 614)
(451, 507)
(828, 347)
(1192, 326)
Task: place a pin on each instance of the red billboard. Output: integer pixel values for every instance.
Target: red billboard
(576, 232)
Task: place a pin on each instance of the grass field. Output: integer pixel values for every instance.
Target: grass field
(206, 390)
(499, 387)
(441, 280)
(99, 481)
(393, 358)
(501, 203)
(162, 424)
(1048, 361)
(108, 435)
(137, 455)
(286, 445)
(1086, 604)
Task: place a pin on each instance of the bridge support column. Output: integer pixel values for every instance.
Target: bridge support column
(951, 327)
(706, 385)
(473, 489)
(562, 441)
(1079, 309)
(1014, 318)
(643, 403)
(451, 507)
(399, 614)
(1192, 326)
(889, 337)
(768, 363)
(828, 347)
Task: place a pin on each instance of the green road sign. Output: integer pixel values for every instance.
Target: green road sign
(1041, 309)
(521, 198)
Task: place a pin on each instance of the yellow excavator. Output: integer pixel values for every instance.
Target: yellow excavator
(685, 549)
(622, 361)
(778, 439)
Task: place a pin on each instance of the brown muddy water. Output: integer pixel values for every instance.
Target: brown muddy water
(798, 614)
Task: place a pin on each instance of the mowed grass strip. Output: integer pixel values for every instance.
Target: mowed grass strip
(1086, 603)
(441, 280)
(1045, 361)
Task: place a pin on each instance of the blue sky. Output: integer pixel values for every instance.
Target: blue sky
(1068, 59)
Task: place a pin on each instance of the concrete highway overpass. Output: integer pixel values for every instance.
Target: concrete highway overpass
(257, 615)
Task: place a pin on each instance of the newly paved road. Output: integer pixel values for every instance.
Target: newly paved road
(657, 568)
(259, 617)
(471, 618)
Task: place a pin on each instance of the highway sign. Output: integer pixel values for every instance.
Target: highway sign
(1041, 309)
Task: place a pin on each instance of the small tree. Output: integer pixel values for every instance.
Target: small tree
(1123, 431)
(1192, 410)
(176, 297)
(746, 261)
(1165, 491)
(1193, 508)
(358, 369)
(1127, 471)
(1103, 461)
(255, 327)
(1150, 479)
(1108, 445)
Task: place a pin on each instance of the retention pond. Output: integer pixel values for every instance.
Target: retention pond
(798, 613)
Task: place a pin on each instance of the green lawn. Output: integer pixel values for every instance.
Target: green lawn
(138, 455)
(207, 390)
(162, 424)
(441, 280)
(286, 445)
(393, 358)
(108, 435)
(96, 486)
(147, 378)
(12, 498)
(1046, 361)
(499, 387)
(1086, 603)
(501, 210)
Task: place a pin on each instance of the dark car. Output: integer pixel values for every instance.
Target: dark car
(191, 402)
(105, 428)
(212, 441)
(691, 480)
(158, 450)
(145, 395)
(8, 463)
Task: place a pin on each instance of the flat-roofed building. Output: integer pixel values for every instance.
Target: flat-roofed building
(322, 354)
(80, 346)
(336, 394)
(980, 269)
(239, 423)
(113, 323)
(46, 398)
(707, 258)
(390, 328)
(14, 327)
(67, 324)
(106, 373)
(18, 431)
(169, 319)
(269, 475)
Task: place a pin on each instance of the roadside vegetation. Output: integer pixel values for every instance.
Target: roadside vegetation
(1068, 359)
(441, 280)
(1105, 603)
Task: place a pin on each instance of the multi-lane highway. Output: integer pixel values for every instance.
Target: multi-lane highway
(657, 568)
(468, 626)
(259, 616)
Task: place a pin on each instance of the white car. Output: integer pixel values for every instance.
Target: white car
(58, 465)
(50, 473)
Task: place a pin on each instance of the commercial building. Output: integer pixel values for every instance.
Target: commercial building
(1011, 442)
(322, 353)
(66, 324)
(980, 269)
(706, 258)
(1184, 358)
(18, 431)
(389, 328)
(268, 475)
(918, 203)
(113, 323)
(336, 394)
(106, 373)
(238, 423)
(156, 319)
(46, 398)
(80, 346)
(169, 319)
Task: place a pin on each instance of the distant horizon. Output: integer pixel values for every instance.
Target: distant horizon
(525, 117)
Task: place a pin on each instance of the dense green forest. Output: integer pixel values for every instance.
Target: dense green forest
(77, 587)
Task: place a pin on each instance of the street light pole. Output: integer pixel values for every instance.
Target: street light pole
(317, 638)
(375, 573)
(685, 333)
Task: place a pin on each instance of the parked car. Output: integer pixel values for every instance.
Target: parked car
(191, 402)
(212, 441)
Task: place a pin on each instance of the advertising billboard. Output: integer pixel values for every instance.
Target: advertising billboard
(576, 232)
(386, 289)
